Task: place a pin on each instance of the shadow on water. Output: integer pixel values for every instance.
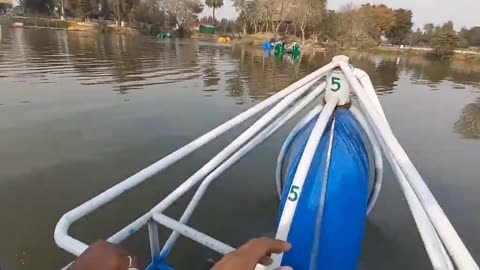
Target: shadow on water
(66, 134)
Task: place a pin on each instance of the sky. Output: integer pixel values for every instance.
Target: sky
(461, 12)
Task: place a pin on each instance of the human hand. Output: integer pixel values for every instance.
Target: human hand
(254, 252)
(105, 256)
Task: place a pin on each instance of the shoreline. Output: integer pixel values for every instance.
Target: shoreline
(249, 40)
(260, 38)
(67, 25)
(458, 54)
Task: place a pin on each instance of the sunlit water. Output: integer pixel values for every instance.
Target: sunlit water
(80, 112)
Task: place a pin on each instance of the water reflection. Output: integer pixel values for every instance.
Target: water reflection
(384, 72)
(133, 62)
(127, 63)
(468, 125)
(57, 137)
(211, 77)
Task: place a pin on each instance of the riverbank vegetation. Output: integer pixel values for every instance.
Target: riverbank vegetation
(352, 27)
(306, 21)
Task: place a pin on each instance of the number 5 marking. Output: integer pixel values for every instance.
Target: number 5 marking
(293, 194)
(336, 84)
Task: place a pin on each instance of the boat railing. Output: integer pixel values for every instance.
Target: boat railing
(444, 247)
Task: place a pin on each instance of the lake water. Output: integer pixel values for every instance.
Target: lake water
(80, 112)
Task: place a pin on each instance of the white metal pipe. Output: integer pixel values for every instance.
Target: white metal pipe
(153, 238)
(434, 226)
(76, 247)
(434, 247)
(278, 171)
(213, 163)
(370, 91)
(200, 237)
(301, 174)
(262, 136)
(377, 157)
(456, 248)
(193, 234)
(432, 244)
(323, 198)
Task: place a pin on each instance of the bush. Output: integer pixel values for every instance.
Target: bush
(463, 43)
(444, 44)
(363, 41)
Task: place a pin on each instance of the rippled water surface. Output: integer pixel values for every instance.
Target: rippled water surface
(80, 112)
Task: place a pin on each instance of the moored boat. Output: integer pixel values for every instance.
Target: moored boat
(332, 209)
(329, 174)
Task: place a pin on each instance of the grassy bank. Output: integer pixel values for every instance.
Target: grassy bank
(460, 55)
(95, 27)
(36, 22)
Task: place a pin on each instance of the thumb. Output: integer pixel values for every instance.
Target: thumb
(285, 268)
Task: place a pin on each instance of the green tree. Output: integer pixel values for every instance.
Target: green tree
(428, 29)
(246, 11)
(330, 26)
(38, 6)
(124, 10)
(346, 25)
(84, 9)
(149, 12)
(402, 27)
(358, 28)
(448, 26)
(181, 13)
(474, 36)
(420, 38)
(214, 4)
(309, 14)
(371, 23)
(383, 17)
(463, 43)
(471, 35)
(376, 20)
(444, 42)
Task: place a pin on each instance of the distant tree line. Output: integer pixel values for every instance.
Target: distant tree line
(165, 13)
(361, 27)
(352, 26)
(444, 39)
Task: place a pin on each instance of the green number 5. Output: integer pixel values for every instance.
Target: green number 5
(293, 195)
(336, 84)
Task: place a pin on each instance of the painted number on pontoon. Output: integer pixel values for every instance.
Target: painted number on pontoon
(293, 195)
(336, 84)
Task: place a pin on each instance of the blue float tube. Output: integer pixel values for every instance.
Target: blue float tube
(268, 46)
(336, 241)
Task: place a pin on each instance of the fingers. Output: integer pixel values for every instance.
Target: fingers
(101, 244)
(265, 261)
(125, 258)
(263, 247)
(267, 246)
(131, 261)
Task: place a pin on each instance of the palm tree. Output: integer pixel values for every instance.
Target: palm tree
(214, 4)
